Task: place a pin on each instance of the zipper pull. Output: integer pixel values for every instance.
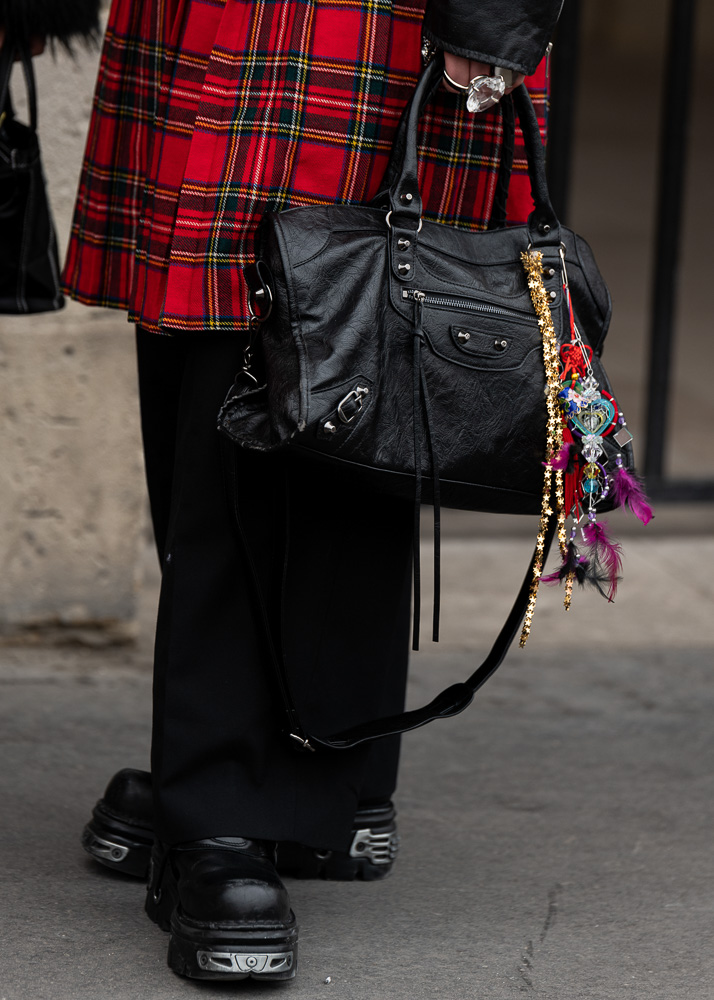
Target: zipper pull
(414, 294)
(419, 314)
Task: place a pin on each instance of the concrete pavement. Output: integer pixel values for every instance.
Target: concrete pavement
(556, 836)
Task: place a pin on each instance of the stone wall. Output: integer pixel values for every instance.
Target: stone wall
(72, 507)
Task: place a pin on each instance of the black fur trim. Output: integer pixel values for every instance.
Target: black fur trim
(59, 20)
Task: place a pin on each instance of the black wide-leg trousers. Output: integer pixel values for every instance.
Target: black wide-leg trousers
(333, 564)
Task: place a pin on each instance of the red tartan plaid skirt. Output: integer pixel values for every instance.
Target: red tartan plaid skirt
(207, 113)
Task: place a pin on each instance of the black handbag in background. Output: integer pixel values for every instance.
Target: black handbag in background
(452, 367)
(29, 265)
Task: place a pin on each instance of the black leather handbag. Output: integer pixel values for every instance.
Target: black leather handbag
(424, 359)
(29, 265)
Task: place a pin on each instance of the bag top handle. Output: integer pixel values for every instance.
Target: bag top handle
(404, 196)
(7, 58)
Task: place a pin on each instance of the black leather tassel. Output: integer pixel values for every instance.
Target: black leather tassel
(416, 430)
(421, 400)
(436, 499)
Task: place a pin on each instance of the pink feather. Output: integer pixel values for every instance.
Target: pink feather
(606, 551)
(553, 577)
(628, 492)
(562, 458)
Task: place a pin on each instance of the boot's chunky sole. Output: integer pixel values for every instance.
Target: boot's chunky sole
(204, 952)
(114, 841)
(200, 950)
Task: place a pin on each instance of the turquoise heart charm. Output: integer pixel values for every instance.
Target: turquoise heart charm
(594, 418)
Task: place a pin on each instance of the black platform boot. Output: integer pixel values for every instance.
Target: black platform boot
(226, 909)
(120, 833)
(120, 836)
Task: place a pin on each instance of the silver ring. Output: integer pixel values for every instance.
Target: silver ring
(389, 224)
(483, 91)
(464, 88)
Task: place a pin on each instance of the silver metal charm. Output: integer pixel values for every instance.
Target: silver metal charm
(623, 436)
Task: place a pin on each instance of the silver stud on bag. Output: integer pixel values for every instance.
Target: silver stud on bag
(329, 427)
(463, 336)
(403, 243)
(404, 268)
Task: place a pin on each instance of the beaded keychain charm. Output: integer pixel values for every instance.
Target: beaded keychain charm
(581, 415)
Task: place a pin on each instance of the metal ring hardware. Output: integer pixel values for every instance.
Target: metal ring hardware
(389, 224)
(260, 294)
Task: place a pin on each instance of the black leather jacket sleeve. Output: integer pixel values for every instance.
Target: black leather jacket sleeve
(510, 33)
(60, 20)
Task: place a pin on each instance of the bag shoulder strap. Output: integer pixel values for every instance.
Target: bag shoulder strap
(453, 699)
(449, 702)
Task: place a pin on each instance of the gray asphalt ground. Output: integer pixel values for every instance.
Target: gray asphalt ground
(556, 837)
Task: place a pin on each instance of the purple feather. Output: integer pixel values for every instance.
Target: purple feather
(561, 460)
(628, 492)
(605, 552)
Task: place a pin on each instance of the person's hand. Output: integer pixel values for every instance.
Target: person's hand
(464, 70)
(37, 44)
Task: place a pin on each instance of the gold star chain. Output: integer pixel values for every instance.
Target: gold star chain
(533, 265)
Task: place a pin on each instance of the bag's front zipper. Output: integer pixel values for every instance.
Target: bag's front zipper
(465, 305)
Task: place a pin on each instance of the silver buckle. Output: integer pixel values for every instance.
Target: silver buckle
(357, 397)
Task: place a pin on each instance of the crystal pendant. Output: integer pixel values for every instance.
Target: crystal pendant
(591, 390)
(484, 92)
